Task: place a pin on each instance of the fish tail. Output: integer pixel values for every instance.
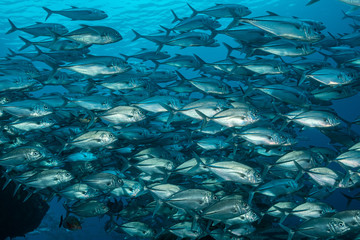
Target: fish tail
(16, 189)
(250, 88)
(251, 196)
(247, 50)
(28, 196)
(331, 35)
(354, 26)
(289, 230)
(176, 18)
(235, 22)
(171, 111)
(167, 30)
(137, 35)
(202, 62)
(326, 56)
(159, 47)
(126, 57)
(49, 12)
(229, 48)
(193, 10)
(13, 27)
(345, 15)
(39, 52)
(12, 53)
(110, 225)
(27, 43)
(349, 199)
(312, 2)
(8, 180)
(302, 79)
(67, 209)
(61, 221)
(157, 64)
(205, 119)
(214, 32)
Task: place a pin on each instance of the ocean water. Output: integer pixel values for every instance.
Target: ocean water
(145, 17)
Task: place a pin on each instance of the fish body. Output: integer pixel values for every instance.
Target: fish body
(93, 35)
(74, 13)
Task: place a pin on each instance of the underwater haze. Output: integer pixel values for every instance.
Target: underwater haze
(183, 119)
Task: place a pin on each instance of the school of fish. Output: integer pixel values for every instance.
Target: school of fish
(165, 156)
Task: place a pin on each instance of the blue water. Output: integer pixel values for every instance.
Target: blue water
(145, 17)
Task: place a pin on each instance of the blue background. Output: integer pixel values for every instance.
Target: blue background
(145, 17)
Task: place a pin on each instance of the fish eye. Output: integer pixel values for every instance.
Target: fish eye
(36, 153)
(341, 224)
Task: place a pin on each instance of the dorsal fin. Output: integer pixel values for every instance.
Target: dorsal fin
(272, 13)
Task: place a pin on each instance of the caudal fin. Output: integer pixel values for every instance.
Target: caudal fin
(137, 35)
(12, 53)
(13, 27)
(193, 10)
(229, 48)
(349, 199)
(27, 43)
(312, 2)
(176, 18)
(61, 221)
(49, 12)
(345, 15)
(126, 57)
(288, 230)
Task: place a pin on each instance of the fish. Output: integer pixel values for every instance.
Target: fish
(204, 127)
(224, 11)
(196, 22)
(90, 208)
(191, 199)
(332, 76)
(93, 139)
(311, 228)
(88, 35)
(99, 65)
(285, 27)
(75, 13)
(40, 29)
(71, 223)
(49, 178)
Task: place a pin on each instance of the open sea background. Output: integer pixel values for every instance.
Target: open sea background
(145, 17)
